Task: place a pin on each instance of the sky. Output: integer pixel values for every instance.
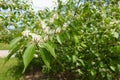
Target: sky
(41, 4)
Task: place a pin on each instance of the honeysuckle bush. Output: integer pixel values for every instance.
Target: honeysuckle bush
(77, 39)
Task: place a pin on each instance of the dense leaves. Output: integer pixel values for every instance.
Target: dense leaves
(77, 38)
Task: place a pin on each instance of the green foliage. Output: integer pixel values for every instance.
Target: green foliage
(50, 49)
(14, 42)
(14, 46)
(74, 38)
(45, 58)
(28, 55)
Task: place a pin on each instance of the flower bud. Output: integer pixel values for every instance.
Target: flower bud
(45, 38)
(51, 20)
(26, 33)
(36, 38)
(58, 30)
(55, 16)
(46, 30)
(43, 24)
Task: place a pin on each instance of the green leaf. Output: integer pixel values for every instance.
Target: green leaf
(93, 72)
(13, 51)
(76, 39)
(74, 58)
(83, 44)
(28, 55)
(50, 49)
(116, 49)
(15, 41)
(79, 71)
(112, 68)
(44, 58)
(67, 35)
(118, 67)
(58, 39)
(82, 62)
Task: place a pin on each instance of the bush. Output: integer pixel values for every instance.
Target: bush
(81, 41)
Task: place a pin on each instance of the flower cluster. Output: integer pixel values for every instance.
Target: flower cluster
(47, 31)
(35, 37)
(114, 22)
(55, 16)
(26, 33)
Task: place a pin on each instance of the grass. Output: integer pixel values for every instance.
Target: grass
(7, 71)
(4, 46)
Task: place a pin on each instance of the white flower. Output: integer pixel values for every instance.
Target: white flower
(51, 20)
(46, 30)
(43, 24)
(68, 22)
(26, 33)
(58, 30)
(51, 31)
(45, 38)
(94, 6)
(55, 16)
(36, 38)
(115, 22)
(63, 28)
(115, 34)
(65, 25)
(35, 55)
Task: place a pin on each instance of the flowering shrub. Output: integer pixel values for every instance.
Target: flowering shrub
(36, 42)
(75, 39)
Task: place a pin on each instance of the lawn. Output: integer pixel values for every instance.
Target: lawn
(4, 46)
(6, 69)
